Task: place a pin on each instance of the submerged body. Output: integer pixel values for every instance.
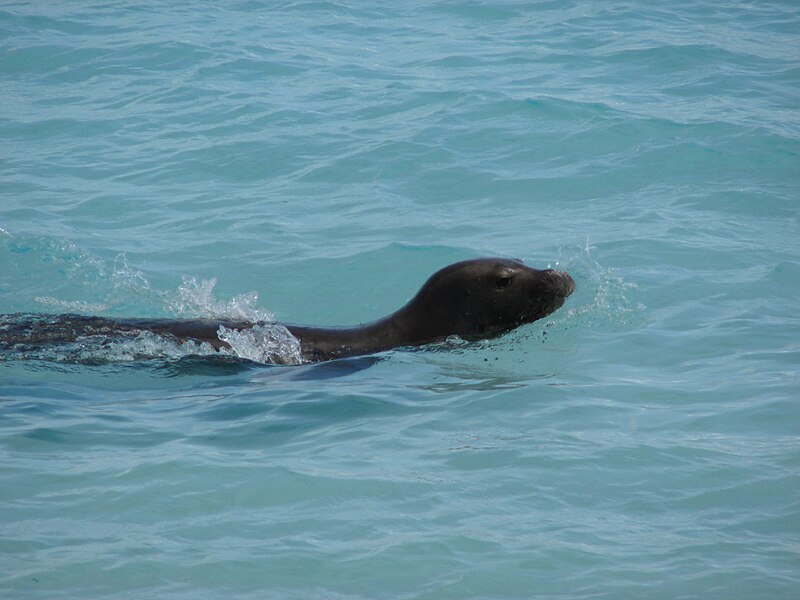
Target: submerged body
(473, 299)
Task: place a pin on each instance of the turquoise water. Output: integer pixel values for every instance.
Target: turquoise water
(316, 162)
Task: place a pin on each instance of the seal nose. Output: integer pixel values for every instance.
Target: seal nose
(564, 282)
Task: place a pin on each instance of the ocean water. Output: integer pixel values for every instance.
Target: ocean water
(314, 162)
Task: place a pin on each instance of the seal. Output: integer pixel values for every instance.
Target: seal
(473, 299)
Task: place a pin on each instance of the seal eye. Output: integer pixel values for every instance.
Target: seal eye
(502, 282)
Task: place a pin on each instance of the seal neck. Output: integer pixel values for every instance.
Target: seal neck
(392, 331)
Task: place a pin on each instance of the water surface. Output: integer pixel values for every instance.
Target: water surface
(317, 161)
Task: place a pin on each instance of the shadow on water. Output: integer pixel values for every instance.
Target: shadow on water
(320, 371)
(204, 366)
(191, 366)
(222, 366)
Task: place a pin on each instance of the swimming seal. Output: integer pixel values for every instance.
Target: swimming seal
(472, 299)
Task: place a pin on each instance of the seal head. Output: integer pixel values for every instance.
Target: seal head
(484, 298)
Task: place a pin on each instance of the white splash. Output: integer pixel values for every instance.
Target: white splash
(144, 346)
(269, 343)
(118, 288)
(78, 306)
(601, 296)
(265, 342)
(195, 298)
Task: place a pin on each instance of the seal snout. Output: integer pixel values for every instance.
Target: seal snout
(568, 282)
(563, 283)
